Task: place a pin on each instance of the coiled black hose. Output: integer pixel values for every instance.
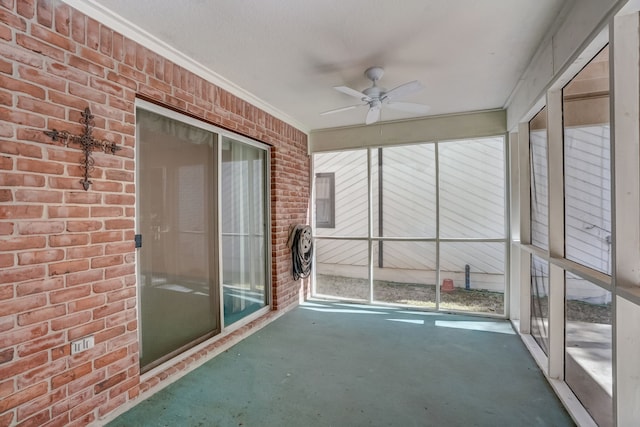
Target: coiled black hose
(301, 244)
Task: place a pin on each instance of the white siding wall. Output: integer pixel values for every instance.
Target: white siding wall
(472, 206)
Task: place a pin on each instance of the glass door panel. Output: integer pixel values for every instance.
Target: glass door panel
(244, 223)
(178, 278)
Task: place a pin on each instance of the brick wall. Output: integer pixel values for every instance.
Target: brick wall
(67, 259)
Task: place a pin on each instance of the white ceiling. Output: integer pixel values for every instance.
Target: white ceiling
(469, 54)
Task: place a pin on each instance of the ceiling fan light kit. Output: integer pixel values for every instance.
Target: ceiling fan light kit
(375, 97)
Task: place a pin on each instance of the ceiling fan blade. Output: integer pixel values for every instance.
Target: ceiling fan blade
(409, 107)
(352, 92)
(403, 90)
(373, 115)
(337, 110)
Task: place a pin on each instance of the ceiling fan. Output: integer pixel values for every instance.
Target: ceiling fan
(375, 97)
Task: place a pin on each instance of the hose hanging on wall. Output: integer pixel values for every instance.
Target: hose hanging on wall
(301, 245)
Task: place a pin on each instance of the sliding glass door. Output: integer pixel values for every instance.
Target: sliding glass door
(178, 274)
(243, 229)
(203, 221)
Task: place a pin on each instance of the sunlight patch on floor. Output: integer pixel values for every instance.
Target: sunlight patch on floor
(499, 327)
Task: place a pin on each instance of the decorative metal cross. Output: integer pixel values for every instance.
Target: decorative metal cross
(87, 143)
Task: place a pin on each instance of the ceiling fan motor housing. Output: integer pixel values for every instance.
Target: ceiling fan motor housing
(374, 73)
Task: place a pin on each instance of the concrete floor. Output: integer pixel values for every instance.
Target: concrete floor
(331, 364)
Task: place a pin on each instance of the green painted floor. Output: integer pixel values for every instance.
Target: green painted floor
(330, 364)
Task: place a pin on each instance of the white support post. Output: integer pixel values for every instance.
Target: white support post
(555, 161)
(525, 226)
(514, 199)
(626, 221)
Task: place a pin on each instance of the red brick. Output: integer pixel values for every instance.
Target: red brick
(119, 224)
(70, 321)
(7, 388)
(119, 271)
(23, 396)
(27, 8)
(84, 277)
(119, 248)
(86, 303)
(40, 47)
(39, 77)
(106, 261)
(65, 183)
(37, 420)
(84, 252)
(24, 334)
(15, 53)
(22, 118)
(119, 199)
(37, 405)
(60, 240)
(7, 260)
(67, 100)
(78, 26)
(16, 275)
(110, 382)
(6, 228)
(41, 344)
(20, 149)
(41, 373)
(82, 64)
(40, 257)
(45, 13)
(6, 163)
(87, 406)
(6, 419)
(62, 15)
(70, 294)
(7, 291)
(40, 227)
(40, 166)
(108, 309)
(87, 93)
(6, 355)
(41, 315)
(39, 286)
(21, 211)
(107, 236)
(40, 107)
(67, 267)
(21, 180)
(21, 86)
(86, 329)
(114, 187)
(110, 333)
(21, 365)
(6, 196)
(64, 72)
(21, 243)
(20, 305)
(86, 382)
(50, 37)
(80, 226)
(106, 211)
(70, 375)
(38, 196)
(82, 197)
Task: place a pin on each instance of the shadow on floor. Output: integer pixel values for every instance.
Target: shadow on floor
(333, 364)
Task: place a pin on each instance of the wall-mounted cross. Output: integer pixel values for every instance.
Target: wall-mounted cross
(87, 143)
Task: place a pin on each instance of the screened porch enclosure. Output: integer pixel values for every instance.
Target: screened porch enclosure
(416, 225)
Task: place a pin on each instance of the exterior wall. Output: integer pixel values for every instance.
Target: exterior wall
(67, 256)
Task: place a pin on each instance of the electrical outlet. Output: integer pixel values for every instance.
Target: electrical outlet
(82, 344)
